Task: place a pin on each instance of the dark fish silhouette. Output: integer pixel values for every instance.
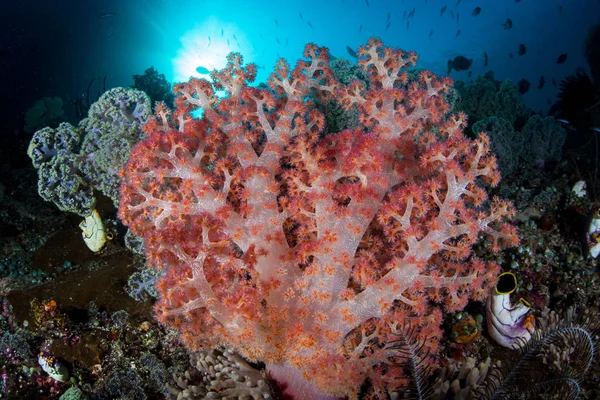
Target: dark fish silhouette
(542, 82)
(387, 26)
(562, 58)
(510, 55)
(431, 33)
(309, 24)
(476, 11)
(367, 1)
(460, 63)
(507, 24)
(351, 52)
(457, 33)
(107, 14)
(300, 14)
(522, 49)
(276, 23)
(485, 59)
(524, 86)
(443, 10)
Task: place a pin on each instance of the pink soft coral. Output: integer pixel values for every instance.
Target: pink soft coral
(305, 250)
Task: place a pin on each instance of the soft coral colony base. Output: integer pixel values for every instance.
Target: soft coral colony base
(311, 250)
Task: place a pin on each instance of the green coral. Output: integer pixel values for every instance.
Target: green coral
(336, 117)
(545, 139)
(113, 126)
(507, 144)
(54, 152)
(73, 162)
(486, 97)
(73, 393)
(540, 140)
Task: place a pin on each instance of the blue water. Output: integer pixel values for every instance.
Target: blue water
(56, 48)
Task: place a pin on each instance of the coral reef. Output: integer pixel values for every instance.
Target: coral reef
(306, 251)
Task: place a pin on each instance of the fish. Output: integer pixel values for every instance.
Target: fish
(202, 70)
(234, 38)
(309, 24)
(360, 29)
(276, 23)
(542, 82)
(457, 3)
(522, 50)
(431, 33)
(222, 32)
(387, 26)
(548, 101)
(208, 42)
(301, 17)
(595, 129)
(228, 43)
(443, 10)
(507, 24)
(351, 52)
(562, 58)
(524, 86)
(457, 33)
(107, 14)
(459, 63)
(563, 121)
(367, 2)
(476, 11)
(560, 10)
(485, 59)
(407, 24)
(510, 55)
(412, 13)
(389, 16)
(277, 40)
